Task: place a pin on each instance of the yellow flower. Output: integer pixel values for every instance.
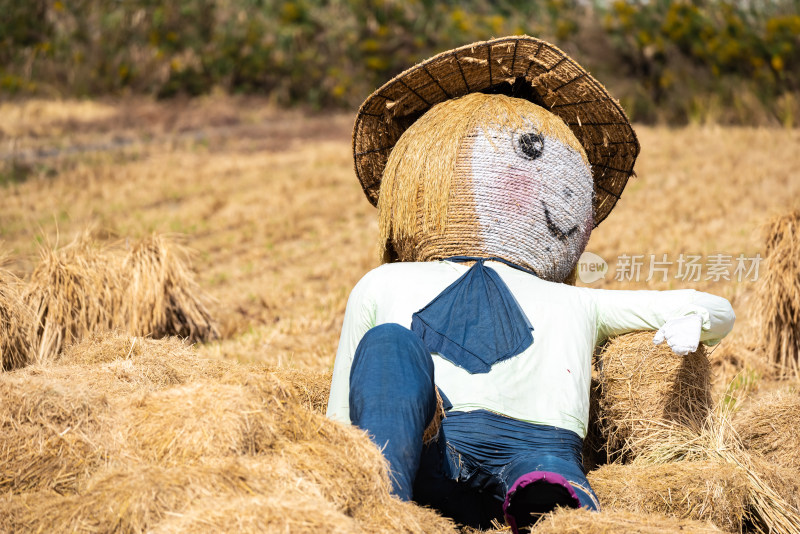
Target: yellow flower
(666, 79)
(370, 45)
(496, 23)
(376, 63)
(290, 12)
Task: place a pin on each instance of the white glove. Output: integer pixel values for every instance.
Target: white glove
(682, 334)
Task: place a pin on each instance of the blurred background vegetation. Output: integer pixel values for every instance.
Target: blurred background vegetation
(727, 61)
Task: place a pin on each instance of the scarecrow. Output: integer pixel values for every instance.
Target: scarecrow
(490, 165)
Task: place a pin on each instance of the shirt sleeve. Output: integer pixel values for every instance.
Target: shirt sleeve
(619, 312)
(359, 317)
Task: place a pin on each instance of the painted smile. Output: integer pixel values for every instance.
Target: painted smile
(554, 229)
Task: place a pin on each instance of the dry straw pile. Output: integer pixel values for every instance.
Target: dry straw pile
(147, 290)
(706, 490)
(571, 521)
(131, 435)
(778, 302)
(770, 426)
(772, 503)
(654, 410)
(56, 419)
(16, 321)
(643, 386)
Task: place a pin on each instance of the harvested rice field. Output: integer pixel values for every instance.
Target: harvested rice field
(173, 281)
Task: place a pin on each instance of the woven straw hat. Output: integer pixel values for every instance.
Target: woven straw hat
(518, 66)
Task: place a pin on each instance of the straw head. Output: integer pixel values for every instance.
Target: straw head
(518, 66)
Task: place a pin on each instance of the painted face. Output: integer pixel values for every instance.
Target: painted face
(489, 175)
(532, 198)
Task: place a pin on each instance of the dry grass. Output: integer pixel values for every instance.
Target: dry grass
(101, 450)
(296, 512)
(771, 506)
(312, 388)
(16, 323)
(770, 425)
(655, 409)
(57, 420)
(571, 521)
(644, 386)
(712, 491)
(778, 303)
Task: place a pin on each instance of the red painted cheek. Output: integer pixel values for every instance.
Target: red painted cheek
(519, 192)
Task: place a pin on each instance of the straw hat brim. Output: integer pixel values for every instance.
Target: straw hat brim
(519, 66)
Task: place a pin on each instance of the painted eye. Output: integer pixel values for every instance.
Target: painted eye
(531, 145)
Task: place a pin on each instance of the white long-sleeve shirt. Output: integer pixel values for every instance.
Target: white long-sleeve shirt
(549, 382)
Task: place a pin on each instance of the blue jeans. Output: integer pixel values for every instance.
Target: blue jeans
(482, 465)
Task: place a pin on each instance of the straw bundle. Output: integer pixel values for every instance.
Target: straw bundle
(771, 426)
(772, 506)
(16, 320)
(712, 491)
(645, 385)
(152, 498)
(118, 363)
(73, 292)
(778, 295)
(161, 295)
(582, 521)
(81, 289)
(784, 481)
(128, 500)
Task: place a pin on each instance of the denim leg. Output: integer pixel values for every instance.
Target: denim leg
(392, 397)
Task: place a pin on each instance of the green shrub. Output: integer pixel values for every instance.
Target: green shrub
(661, 57)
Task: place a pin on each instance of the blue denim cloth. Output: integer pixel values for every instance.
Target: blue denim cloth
(392, 396)
(488, 325)
(478, 455)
